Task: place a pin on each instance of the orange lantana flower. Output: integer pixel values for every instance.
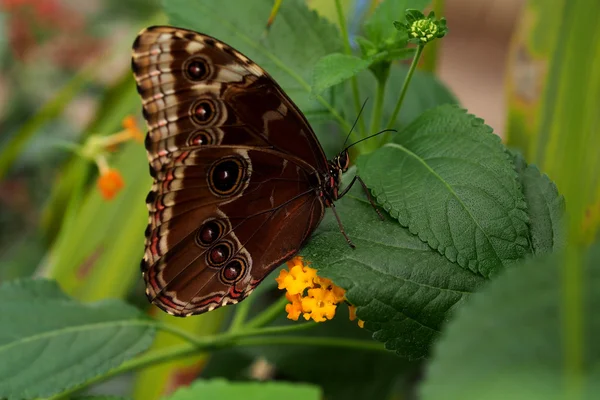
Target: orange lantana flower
(310, 295)
(132, 128)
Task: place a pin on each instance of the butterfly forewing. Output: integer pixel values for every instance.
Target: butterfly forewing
(235, 166)
(192, 83)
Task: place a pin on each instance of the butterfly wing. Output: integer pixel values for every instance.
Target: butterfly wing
(196, 89)
(235, 167)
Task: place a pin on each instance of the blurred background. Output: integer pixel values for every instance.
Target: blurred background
(64, 77)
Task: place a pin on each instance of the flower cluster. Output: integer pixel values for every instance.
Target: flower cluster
(310, 295)
(422, 29)
(110, 181)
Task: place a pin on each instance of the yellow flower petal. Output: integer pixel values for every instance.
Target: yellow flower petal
(281, 279)
(312, 296)
(294, 309)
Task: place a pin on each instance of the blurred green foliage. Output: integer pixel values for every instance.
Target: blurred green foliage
(55, 223)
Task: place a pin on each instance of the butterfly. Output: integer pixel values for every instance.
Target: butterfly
(240, 179)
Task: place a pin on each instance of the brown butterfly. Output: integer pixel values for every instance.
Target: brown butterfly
(240, 179)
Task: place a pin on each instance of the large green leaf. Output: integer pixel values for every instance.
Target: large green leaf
(49, 342)
(404, 290)
(451, 182)
(509, 343)
(223, 390)
(296, 41)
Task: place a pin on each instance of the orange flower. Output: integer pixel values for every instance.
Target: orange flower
(110, 183)
(310, 295)
(131, 126)
(352, 310)
(294, 309)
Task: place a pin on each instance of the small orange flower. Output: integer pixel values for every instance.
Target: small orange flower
(110, 183)
(352, 310)
(294, 309)
(310, 295)
(131, 126)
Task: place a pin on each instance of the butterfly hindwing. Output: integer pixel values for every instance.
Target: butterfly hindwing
(205, 224)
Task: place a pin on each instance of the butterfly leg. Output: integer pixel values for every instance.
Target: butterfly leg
(364, 186)
(342, 226)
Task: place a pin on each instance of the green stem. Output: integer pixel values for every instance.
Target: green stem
(313, 341)
(379, 100)
(269, 315)
(348, 51)
(411, 70)
(277, 329)
(216, 342)
(241, 313)
(195, 340)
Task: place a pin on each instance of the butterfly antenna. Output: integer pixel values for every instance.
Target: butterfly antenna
(369, 137)
(356, 120)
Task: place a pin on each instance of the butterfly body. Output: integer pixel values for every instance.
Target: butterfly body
(240, 179)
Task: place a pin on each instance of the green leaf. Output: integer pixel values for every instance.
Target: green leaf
(413, 16)
(403, 289)
(380, 26)
(449, 180)
(298, 38)
(394, 54)
(219, 389)
(545, 206)
(49, 342)
(508, 341)
(336, 68)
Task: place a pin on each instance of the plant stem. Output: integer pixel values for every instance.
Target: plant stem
(276, 329)
(411, 70)
(216, 342)
(241, 313)
(269, 315)
(378, 107)
(353, 80)
(195, 340)
(312, 341)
